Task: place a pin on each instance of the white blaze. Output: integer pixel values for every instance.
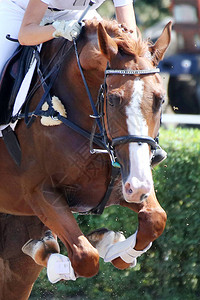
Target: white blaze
(138, 154)
(135, 120)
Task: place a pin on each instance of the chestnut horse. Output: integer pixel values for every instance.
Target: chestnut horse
(58, 174)
(16, 280)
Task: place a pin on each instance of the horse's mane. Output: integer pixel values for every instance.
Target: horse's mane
(121, 36)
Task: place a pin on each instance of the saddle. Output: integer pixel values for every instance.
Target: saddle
(11, 78)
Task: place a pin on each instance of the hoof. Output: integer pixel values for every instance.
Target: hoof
(40, 250)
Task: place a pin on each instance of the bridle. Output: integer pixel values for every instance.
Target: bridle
(111, 144)
(132, 72)
(105, 144)
(132, 138)
(98, 116)
(101, 140)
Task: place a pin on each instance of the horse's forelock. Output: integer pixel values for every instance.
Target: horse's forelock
(121, 35)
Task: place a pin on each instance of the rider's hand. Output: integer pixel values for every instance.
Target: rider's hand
(68, 29)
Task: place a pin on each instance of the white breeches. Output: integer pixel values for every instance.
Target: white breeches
(10, 20)
(11, 16)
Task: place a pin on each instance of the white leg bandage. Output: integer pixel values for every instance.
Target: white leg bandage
(125, 250)
(107, 241)
(59, 267)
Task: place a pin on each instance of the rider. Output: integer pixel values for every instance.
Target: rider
(22, 19)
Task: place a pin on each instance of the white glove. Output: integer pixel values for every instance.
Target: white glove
(59, 267)
(68, 29)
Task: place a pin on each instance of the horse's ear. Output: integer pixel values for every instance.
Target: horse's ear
(107, 45)
(159, 48)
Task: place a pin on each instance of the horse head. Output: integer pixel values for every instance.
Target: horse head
(134, 96)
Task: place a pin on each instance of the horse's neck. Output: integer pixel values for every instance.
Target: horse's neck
(93, 76)
(73, 92)
(69, 86)
(80, 102)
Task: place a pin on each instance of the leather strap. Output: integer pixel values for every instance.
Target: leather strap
(12, 144)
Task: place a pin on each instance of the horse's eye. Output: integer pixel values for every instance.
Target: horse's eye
(162, 99)
(114, 100)
(158, 101)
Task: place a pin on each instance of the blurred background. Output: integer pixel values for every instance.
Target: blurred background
(181, 65)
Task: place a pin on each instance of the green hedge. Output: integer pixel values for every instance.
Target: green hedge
(171, 268)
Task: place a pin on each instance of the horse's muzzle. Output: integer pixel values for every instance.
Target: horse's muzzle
(136, 191)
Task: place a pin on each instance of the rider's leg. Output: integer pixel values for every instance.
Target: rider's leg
(11, 17)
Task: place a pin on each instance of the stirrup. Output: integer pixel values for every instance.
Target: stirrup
(158, 156)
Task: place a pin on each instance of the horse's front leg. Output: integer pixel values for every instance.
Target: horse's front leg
(151, 223)
(151, 220)
(52, 209)
(123, 253)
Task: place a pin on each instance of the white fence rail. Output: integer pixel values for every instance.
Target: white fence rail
(181, 119)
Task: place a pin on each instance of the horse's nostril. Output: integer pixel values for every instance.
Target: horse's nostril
(128, 189)
(143, 197)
